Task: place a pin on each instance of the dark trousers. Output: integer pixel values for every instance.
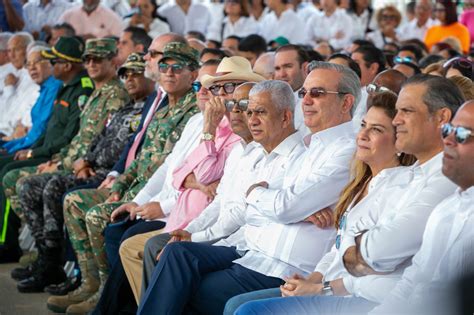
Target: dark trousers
(9, 221)
(117, 295)
(199, 278)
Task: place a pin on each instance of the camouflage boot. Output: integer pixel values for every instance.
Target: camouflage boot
(88, 288)
(85, 306)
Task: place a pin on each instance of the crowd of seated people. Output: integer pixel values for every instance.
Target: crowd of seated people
(238, 157)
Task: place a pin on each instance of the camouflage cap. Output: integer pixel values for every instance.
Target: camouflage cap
(100, 47)
(67, 48)
(134, 62)
(182, 53)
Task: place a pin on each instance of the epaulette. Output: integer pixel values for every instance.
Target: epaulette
(86, 82)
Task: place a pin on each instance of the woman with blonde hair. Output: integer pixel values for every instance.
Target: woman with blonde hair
(376, 160)
(388, 18)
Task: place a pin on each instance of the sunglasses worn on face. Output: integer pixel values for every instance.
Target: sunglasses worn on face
(242, 104)
(177, 68)
(228, 87)
(374, 88)
(55, 61)
(389, 17)
(316, 92)
(461, 134)
(128, 75)
(398, 59)
(97, 60)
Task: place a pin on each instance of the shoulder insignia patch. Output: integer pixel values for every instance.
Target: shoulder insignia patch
(81, 101)
(86, 83)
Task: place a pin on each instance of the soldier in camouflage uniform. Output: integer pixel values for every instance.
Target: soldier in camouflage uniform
(161, 135)
(37, 197)
(61, 128)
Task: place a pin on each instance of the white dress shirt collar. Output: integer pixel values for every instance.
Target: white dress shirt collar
(285, 147)
(327, 136)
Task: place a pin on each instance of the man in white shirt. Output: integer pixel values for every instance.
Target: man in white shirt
(374, 260)
(5, 65)
(270, 121)
(446, 254)
(331, 25)
(282, 21)
(290, 66)
(41, 15)
(186, 15)
(20, 91)
(416, 29)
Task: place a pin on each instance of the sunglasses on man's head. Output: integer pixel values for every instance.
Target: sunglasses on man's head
(242, 104)
(461, 134)
(398, 59)
(228, 87)
(177, 68)
(460, 62)
(373, 88)
(316, 92)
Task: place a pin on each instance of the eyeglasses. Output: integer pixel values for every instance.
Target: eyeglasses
(155, 53)
(389, 17)
(373, 88)
(461, 134)
(196, 86)
(94, 59)
(34, 63)
(242, 104)
(316, 92)
(130, 74)
(342, 227)
(228, 87)
(57, 61)
(398, 59)
(176, 68)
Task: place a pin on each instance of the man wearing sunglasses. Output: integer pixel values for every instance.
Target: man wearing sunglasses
(163, 130)
(60, 129)
(45, 218)
(429, 285)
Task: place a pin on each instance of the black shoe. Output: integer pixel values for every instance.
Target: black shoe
(64, 288)
(42, 278)
(10, 255)
(23, 273)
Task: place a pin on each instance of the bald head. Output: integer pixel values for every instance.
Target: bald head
(391, 79)
(265, 65)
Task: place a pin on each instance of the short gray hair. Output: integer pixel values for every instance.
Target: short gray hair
(349, 82)
(440, 92)
(36, 48)
(27, 37)
(281, 93)
(4, 38)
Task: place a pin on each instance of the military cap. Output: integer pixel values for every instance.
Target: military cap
(134, 62)
(68, 48)
(100, 47)
(182, 53)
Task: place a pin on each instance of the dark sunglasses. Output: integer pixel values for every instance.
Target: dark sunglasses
(130, 74)
(177, 68)
(196, 86)
(242, 104)
(461, 134)
(228, 87)
(389, 17)
(155, 53)
(373, 88)
(88, 59)
(55, 61)
(398, 59)
(316, 92)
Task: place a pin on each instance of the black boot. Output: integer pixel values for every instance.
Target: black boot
(50, 271)
(20, 274)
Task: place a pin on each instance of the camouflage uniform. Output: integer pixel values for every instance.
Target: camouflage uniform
(87, 206)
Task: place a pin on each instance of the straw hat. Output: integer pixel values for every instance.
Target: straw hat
(232, 68)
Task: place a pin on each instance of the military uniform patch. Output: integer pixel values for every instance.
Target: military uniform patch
(135, 122)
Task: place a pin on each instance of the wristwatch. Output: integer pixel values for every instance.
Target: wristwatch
(327, 290)
(206, 136)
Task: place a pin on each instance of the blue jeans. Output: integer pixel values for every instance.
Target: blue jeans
(233, 304)
(310, 305)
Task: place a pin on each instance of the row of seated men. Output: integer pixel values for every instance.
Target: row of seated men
(221, 205)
